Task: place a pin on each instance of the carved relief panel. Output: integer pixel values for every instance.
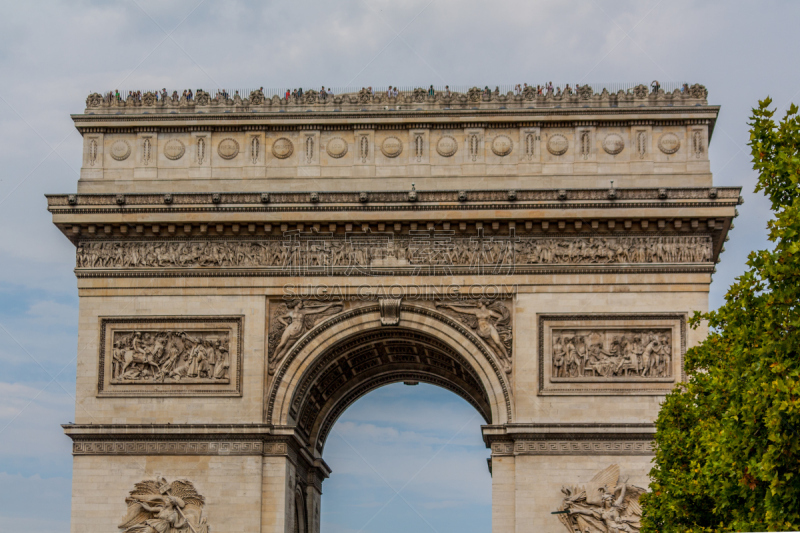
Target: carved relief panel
(364, 147)
(336, 148)
(612, 143)
(173, 149)
(170, 356)
(144, 155)
(584, 144)
(610, 354)
(473, 145)
(229, 149)
(119, 151)
(558, 143)
(500, 146)
(255, 142)
(309, 148)
(419, 147)
(198, 150)
(641, 143)
(697, 143)
(93, 150)
(528, 150)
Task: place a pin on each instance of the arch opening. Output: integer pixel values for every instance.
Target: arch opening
(423, 442)
(371, 359)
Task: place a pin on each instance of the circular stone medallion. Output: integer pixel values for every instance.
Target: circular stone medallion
(557, 144)
(228, 148)
(669, 143)
(502, 145)
(174, 149)
(283, 148)
(336, 147)
(447, 146)
(392, 147)
(120, 150)
(613, 144)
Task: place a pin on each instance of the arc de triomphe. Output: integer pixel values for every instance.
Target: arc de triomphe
(249, 267)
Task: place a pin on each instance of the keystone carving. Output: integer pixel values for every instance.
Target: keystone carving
(605, 504)
(155, 506)
(390, 311)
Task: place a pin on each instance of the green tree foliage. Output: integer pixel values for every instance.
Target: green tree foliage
(728, 441)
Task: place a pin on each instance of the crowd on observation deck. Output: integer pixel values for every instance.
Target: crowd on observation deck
(297, 94)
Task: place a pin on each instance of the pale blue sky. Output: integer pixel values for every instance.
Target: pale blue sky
(52, 54)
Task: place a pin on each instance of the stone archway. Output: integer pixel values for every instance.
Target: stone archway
(352, 353)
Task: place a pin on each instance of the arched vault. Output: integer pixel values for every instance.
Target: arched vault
(347, 356)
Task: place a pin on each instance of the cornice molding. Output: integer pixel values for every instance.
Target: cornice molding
(400, 200)
(570, 439)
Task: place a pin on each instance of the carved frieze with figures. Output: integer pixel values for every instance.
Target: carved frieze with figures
(426, 252)
(610, 354)
(166, 356)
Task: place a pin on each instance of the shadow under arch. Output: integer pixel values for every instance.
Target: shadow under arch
(350, 354)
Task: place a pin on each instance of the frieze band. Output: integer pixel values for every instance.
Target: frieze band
(573, 447)
(425, 251)
(177, 448)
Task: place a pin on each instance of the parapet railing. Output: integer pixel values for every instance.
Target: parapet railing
(369, 98)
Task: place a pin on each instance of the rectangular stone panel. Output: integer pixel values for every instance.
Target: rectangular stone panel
(610, 354)
(170, 356)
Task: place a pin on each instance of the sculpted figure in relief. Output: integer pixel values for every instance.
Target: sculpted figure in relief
(612, 354)
(604, 505)
(290, 321)
(155, 506)
(160, 356)
(491, 321)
